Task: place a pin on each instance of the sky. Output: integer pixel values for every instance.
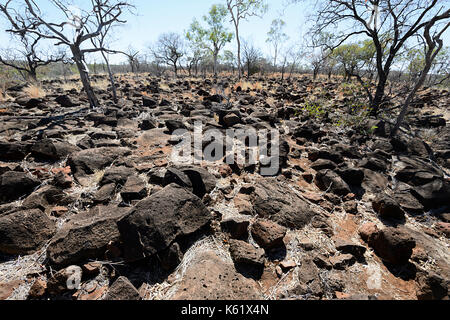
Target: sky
(154, 17)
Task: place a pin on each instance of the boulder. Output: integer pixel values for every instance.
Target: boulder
(156, 222)
(393, 245)
(116, 175)
(237, 227)
(210, 277)
(387, 207)
(330, 180)
(431, 286)
(14, 151)
(134, 189)
(246, 254)
(14, 185)
(268, 234)
(52, 150)
(122, 289)
(90, 161)
(279, 203)
(352, 248)
(24, 232)
(86, 236)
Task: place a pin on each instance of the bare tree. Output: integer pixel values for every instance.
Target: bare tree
(27, 58)
(133, 58)
(242, 10)
(390, 24)
(83, 23)
(100, 42)
(169, 49)
(433, 45)
(251, 57)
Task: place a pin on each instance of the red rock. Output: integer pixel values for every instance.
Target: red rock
(268, 234)
(342, 295)
(7, 288)
(368, 230)
(243, 205)
(444, 228)
(313, 197)
(65, 170)
(289, 264)
(342, 261)
(58, 211)
(38, 288)
(95, 295)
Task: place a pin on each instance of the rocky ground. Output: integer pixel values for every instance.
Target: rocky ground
(92, 206)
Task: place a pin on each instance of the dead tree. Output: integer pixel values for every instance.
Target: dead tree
(27, 58)
(100, 42)
(169, 49)
(433, 45)
(251, 56)
(133, 59)
(84, 24)
(390, 24)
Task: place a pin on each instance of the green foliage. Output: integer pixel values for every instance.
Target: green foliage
(354, 56)
(313, 109)
(215, 35)
(357, 118)
(276, 34)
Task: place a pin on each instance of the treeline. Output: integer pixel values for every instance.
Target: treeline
(372, 42)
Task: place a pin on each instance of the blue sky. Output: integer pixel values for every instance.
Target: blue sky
(154, 17)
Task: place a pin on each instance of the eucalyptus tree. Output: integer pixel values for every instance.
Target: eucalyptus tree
(242, 10)
(276, 37)
(214, 36)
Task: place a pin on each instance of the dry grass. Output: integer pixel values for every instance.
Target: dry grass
(101, 84)
(245, 85)
(67, 86)
(165, 290)
(2, 96)
(34, 91)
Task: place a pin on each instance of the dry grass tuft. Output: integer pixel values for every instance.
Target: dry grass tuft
(101, 84)
(245, 85)
(34, 91)
(67, 86)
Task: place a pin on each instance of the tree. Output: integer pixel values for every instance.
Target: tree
(83, 23)
(242, 10)
(215, 36)
(27, 57)
(133, 58)
(389, 24)
(252, 55)
(276, 37)
(169, 49)
(433, 45)
(229, 60)
(100, 42)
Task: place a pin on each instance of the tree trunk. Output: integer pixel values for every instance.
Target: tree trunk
(111, 78)
(238, 53)
(84, 76)
(215, 65)
(379, 95)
